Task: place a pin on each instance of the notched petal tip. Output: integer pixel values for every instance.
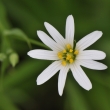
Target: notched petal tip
(70, 16)
(29, 53)
(38, 82)
(39, 32)
(60, 91)
(46, 23)
(104, 55)
(99, 31)
(60, 94)
(88, 89)
(105, 67)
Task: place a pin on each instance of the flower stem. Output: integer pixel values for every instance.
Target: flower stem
(38, 43)
(2, 74)
(1, 80)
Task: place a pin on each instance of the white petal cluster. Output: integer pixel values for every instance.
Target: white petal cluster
(57, 44)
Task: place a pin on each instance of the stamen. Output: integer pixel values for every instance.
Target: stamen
(71, 60)
(67, 58)
(60, 55)
(71, 50)
(68, 55)
(63, 63)
(64, 51)
(68, 46)
(76, 52)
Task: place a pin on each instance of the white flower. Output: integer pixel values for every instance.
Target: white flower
(67, 55)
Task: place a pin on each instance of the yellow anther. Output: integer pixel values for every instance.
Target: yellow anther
(68, 46)
(64, 51)
(68, 55)
(67, 58)
(71, 50)
(60, 55)
(76, 52)
(63, 63)
(71, 60)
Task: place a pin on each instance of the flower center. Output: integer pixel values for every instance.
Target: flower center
(67, 55)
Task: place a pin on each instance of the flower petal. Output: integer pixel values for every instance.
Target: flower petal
(91, 54)
(62, 79)
(81, 77)
(70, 29)
(49, 72)
(48, 41)
(92, 64)
(88, 40)
(43, 54)
(55, 34)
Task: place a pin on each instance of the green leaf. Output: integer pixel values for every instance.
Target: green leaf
(17, 34)
(20, 35)
(21, 97)
(75, 99)
(4, 24)
(16, 93)
(23, 72)
(99, 77)
(4, 66)
(99, 97)
(6, 103)
(22, 16)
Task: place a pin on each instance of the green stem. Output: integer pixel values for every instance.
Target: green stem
(38, 43)
(1, 79)
(4, 46)
(1, 28)
(4, 65)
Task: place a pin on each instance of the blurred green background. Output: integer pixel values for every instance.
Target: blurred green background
(19, 21)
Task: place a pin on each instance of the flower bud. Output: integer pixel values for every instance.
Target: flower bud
(14, 59)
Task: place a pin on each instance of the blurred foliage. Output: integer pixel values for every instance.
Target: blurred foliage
(19, 20)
